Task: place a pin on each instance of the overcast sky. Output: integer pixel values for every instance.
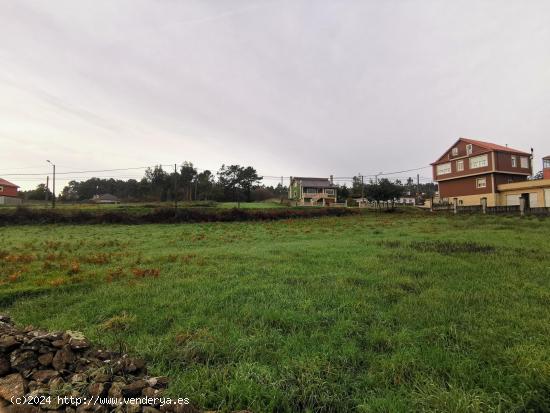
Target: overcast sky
(291, 87)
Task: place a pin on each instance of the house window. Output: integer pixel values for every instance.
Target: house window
(459, 165)
(481, 183)
(469, 149)
(479, 162)
(329, 191)
(444, 169)
(1, 189)
(455, 151)
(524, 162)
(311, 190)
(546, 164)
(514, 161)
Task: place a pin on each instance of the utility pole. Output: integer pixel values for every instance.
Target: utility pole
(175, 186)
(362, 187)
(376, 177)
(53, 191)
(47, 188)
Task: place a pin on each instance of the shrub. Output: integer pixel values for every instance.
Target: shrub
(24, 216)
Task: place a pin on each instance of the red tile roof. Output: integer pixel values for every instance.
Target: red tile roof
(493, 146)
(6, 183)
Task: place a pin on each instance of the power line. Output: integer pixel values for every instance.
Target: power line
(277, 177)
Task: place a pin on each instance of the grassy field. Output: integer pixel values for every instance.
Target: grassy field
(373, 313)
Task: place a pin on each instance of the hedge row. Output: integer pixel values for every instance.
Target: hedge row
(25, 216)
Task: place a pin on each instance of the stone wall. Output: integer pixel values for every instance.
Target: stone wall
(52, 367)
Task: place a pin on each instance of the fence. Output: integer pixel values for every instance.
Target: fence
(510, 210)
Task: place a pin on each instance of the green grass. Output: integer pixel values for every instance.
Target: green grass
(372, 313)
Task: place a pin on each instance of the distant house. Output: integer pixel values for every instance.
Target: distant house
(8, 193)
(407, 200)
(105, 199)
(312, 191)
(472, 171)
(546, 167)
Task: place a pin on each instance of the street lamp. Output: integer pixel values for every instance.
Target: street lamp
(53, 189)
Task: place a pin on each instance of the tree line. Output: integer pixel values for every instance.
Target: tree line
(233, 183)
(384, 190)
(229, 183)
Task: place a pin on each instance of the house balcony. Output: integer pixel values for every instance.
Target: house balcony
(318, 195)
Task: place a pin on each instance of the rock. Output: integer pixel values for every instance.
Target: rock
(31, 345)
(23, 408)
(64, 364)
(115, 392)
(179, 408)
(44, 376)
(5, 366)
(45, 349)
(58, 343)
(8, 343)
(98, 389)
(85, 408)
(78, 378)
(158, 382)
(79, 344)
(149, 409)
(133, 408)
(23, 361)
(45, 359)
(52, 405)
(133, 389)
(4, 318)
(13, 385)
(33, 386)
(56, 383)
(150, 392)
(101, 376)
(62, 358)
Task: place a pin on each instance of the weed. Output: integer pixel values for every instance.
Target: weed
(146, 272)
(452, 247)
(74, 268)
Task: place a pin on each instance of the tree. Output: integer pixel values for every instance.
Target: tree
(205, 184)
(187, 178)
(343, 193)
(384, 191)
(159, 182)
(37, 194)
(248, 178)
(236, 179)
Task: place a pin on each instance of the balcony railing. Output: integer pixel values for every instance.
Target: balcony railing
(317, 195)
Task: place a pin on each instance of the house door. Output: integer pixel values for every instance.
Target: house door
(526, 198)
(547, 198)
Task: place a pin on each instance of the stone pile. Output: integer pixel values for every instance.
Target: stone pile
(50, 367)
